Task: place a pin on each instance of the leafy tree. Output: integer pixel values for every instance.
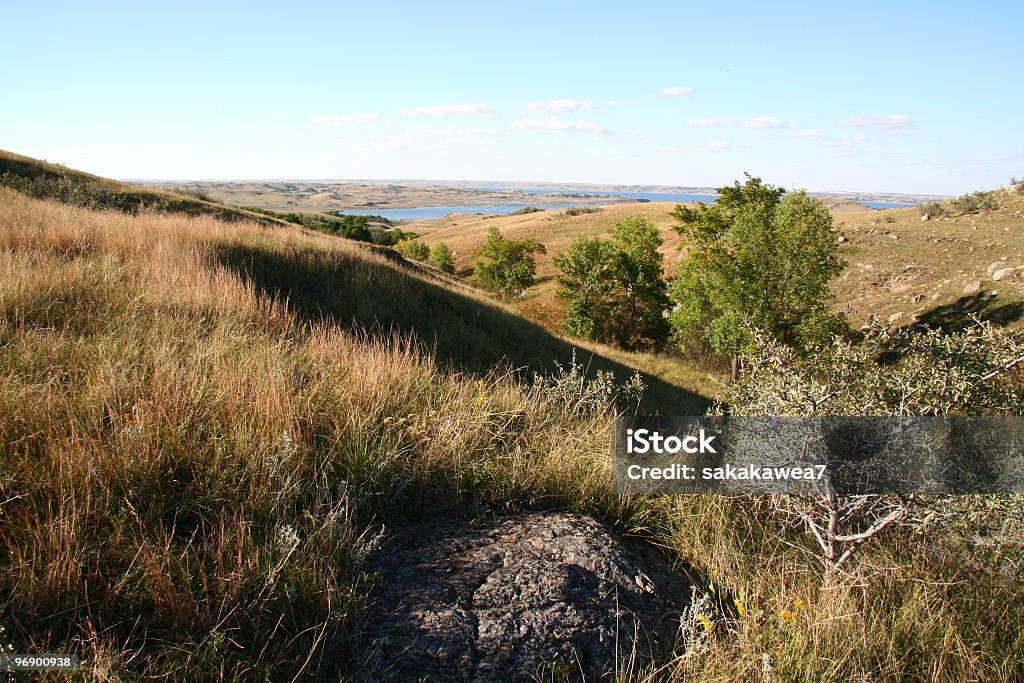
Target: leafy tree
(614, 287)
(394, 236)
(442, 257)
(758, 260)
(587, 283)
(505, 265)
(413, 249)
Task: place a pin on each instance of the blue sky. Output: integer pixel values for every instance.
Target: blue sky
(887, 97)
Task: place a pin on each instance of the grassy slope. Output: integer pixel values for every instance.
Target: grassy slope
(192, 471)
(943, 254)
(128, 194)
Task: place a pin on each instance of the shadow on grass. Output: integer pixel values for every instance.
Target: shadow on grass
(962, 313)
(465, 334)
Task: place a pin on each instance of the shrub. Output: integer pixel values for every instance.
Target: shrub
(507, 266)
(575, 393)
(394, 236)
(890, 373)
(442, 257)
(526, 210)
(614, 288)
(580, 210)
(932, 209)
(975, 202)
(193, 192)
(414, 250)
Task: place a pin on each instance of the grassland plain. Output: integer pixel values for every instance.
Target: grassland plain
(329, 196)
(198, 450)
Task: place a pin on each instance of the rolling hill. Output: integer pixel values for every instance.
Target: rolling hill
(899, 268)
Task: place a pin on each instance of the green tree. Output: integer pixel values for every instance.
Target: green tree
(507, 266)
(614, 288)
(757, 260)
(442, 257)
(413, 249)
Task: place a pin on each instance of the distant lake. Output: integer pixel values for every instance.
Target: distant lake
(648, 196)
(886, 205)
(681, 198)
(427, 212)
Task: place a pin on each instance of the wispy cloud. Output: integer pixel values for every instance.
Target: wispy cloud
(756, 122)
(708, 146)
(798, 132)
(675, 91)
(559, 125)
(461, 110)
(559, 106)
(857, 147)
(349, 119)
(426, 139)
(893, 123)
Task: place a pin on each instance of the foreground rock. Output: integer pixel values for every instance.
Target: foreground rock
(534, 594)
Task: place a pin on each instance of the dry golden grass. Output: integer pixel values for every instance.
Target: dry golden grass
(192, 470)
(909, 270)
(188, 467)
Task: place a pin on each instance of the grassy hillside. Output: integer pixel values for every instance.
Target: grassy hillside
(45, 180)
(906, 270)
(198, 452)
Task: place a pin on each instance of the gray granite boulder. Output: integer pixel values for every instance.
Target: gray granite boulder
(531, 595)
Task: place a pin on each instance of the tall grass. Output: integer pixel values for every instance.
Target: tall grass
(197, 452)
(188, 468)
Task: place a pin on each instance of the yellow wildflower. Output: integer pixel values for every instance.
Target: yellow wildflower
(799, 605)
(741, 609)
(704, 619)
(788, 617)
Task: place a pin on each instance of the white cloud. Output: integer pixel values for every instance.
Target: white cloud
(425, 139)
(756, 122)
(676, 91)
(858, 146)
(893, 123)
(709, 146)
(468, 109)
(556, 124)
(350, 119)
(762, 122)
(798, 132)
(559, 106)
(707, 123)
